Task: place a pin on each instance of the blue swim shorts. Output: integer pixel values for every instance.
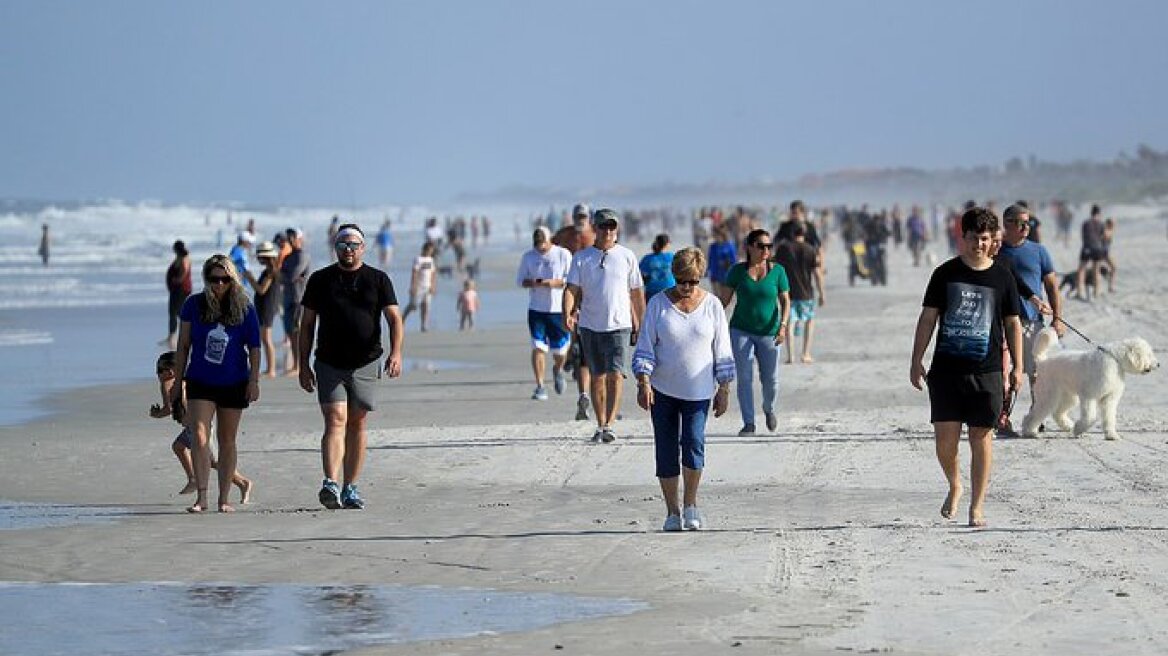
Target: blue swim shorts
(547, 331)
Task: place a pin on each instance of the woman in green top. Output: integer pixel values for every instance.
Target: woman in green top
(758, 325)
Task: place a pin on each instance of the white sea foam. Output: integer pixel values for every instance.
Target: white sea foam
(24, 337)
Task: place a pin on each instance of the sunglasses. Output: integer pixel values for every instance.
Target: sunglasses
(763, 246)
(219, 280)
(348, 245)
(688, 283)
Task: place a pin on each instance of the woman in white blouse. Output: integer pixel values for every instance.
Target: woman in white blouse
(683, 359)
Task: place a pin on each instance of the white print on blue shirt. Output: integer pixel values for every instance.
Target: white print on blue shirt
(216, 345)
(965, 328)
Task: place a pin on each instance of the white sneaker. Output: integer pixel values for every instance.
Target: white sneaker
(540, 394)
(693, 519)
(672, 524)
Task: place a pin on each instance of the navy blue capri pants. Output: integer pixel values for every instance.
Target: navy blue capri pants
(679, 433)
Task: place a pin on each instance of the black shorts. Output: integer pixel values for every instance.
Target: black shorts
(1088, 254)
(223, 396)
(971, 399)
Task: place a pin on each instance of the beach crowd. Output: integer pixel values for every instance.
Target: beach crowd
(686, 324)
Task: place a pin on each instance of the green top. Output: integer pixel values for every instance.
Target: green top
(757, 309)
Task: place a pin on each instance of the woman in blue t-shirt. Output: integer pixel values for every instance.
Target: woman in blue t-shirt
(657, 267)
(217, 366)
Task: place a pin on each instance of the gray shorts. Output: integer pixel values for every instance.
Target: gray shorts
(354, 386)
(1030, 330)
(606, 352)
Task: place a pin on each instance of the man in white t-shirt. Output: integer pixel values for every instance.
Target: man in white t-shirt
(605, 301)
(544, 270)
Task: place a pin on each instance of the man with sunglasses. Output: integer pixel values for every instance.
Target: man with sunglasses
(1032, 265)
(605, 300)
(349, 298)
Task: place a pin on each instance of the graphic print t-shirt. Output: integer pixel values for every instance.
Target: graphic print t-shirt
(973, 305)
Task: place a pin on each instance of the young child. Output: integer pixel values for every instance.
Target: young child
(181, 446)
(468, 305)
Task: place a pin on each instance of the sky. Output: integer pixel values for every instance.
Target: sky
(363, 103)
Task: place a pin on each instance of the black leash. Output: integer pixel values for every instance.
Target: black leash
(1075, 330)
(1088, 339)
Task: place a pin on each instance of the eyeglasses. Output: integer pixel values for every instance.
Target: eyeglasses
(349, 245)
(688, 283)
(219, 280)
(765, 246)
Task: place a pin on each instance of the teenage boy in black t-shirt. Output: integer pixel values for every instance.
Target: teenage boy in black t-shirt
(349, 299)
(973, 304)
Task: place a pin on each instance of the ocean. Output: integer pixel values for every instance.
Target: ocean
(96, 313)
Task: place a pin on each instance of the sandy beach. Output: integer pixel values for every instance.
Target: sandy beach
(823, 537)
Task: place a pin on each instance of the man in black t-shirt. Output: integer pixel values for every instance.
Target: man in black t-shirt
(348, 298)
(802, 262)
(972, 302)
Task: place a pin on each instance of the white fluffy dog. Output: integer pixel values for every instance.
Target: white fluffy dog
(1094, 378)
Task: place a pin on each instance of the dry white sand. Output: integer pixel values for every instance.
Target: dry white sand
(822, 537)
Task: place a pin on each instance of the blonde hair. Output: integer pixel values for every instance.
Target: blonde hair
(234, 310)
(689, 263)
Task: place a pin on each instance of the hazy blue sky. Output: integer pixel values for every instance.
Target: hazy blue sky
(371, 102)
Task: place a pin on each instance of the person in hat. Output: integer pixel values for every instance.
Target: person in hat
(544, 271)
(605, 301)
(267, 301)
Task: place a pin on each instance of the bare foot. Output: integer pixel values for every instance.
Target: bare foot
(271, 373)
(976, 519)
(244, 491)
(291, 373)
(950, 504)
(226, 507)
(196, 508)
(807, 359)
(190, 487)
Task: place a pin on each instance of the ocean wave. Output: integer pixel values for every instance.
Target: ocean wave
(25, 337)
(77, 302)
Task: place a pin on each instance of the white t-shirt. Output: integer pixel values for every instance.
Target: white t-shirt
(552, 265)
(605, 306)
(424, 265)
(685, 355)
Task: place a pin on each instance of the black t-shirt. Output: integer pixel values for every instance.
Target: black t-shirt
(973, 305)
(799, 261)
(349, 306)
(787, 232)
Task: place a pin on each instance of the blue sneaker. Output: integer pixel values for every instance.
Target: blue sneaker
(350, 499)
(330, 494)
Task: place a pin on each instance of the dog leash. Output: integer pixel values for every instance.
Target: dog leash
(1076, 331)
(1088, 339)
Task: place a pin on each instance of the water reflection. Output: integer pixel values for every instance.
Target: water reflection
(152, 618)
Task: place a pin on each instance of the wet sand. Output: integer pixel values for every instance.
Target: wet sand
(823, 537)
